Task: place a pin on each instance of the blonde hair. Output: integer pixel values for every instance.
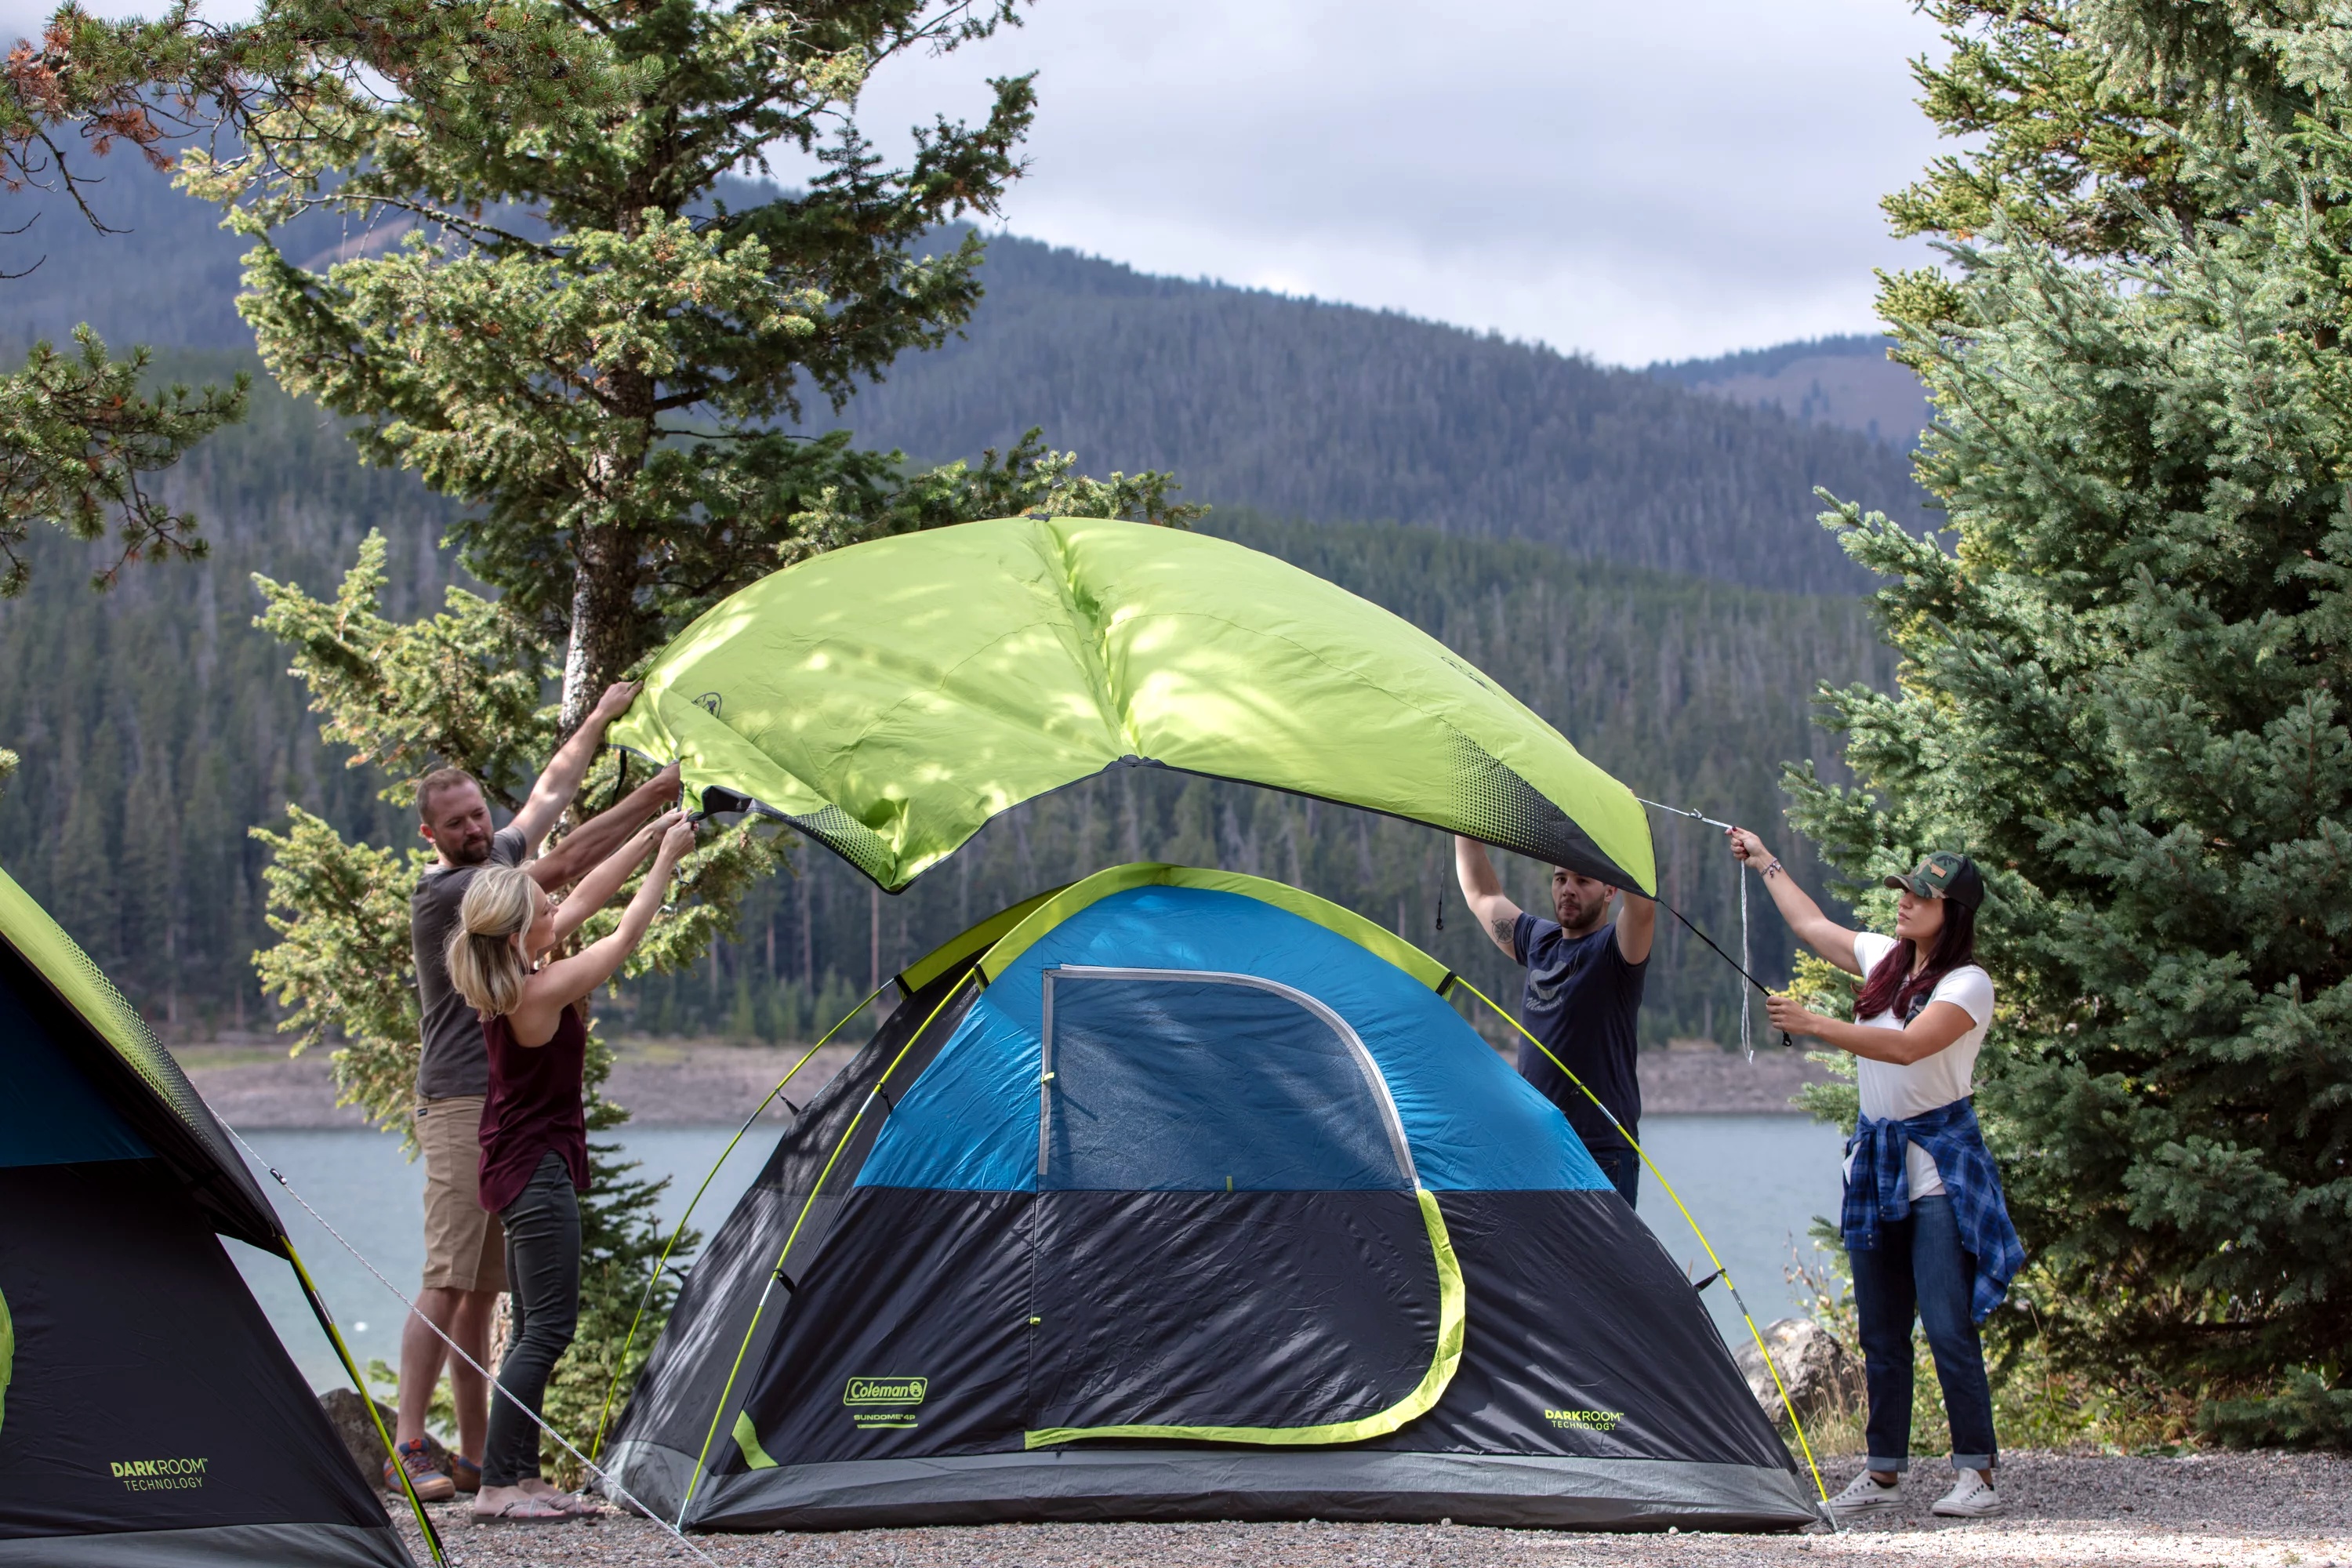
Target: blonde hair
(501, 902)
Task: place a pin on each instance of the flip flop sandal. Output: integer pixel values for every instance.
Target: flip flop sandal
(525, 1510)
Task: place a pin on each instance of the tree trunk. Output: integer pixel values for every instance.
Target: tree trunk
(604, 556)
(602, 590)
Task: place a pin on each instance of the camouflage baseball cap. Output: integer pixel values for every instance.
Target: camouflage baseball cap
(1945, 875)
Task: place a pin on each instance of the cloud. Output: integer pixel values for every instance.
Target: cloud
(1637, 180)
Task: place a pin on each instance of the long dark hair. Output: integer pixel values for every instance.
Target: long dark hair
(1892, 988)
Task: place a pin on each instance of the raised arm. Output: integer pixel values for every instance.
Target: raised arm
(1483, 891)
(596, 889)
(560, 780)
(1814, 928)
(1637, 926)
(553, 989)
(589, 844)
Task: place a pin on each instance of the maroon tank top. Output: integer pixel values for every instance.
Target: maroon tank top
(533, 1107)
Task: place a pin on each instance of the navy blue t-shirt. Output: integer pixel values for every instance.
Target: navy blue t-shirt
(1581, 1001)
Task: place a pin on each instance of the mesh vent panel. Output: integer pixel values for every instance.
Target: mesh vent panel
(137, 1045)
(851, 840)
(1499, 806)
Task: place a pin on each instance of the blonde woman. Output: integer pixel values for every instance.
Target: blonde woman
(534, 1134)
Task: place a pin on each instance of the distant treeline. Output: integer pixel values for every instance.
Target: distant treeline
(1770, 360)
(1334, 413)
(156, 725)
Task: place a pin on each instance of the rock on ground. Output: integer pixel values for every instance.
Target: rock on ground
(1820, 1374)
(362, 1441)
(2205, 1511)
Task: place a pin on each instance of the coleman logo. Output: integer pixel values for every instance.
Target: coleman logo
(872, 1391)
(159, 1475)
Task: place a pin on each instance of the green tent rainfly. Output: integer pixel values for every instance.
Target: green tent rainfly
(888, 698)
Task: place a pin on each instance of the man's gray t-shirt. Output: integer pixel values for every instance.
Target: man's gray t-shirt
(456, 1062)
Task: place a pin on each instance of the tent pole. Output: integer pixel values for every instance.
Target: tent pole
(694, 1477)
(351, 1368)
(596, 1448)
(1729, 1284)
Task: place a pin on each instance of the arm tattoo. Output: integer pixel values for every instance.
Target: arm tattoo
(1503, 927)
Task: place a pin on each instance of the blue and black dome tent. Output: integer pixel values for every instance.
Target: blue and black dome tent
(1182, 1194)
(149, 1417)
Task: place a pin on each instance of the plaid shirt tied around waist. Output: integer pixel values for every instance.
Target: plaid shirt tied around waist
(1879, 1189)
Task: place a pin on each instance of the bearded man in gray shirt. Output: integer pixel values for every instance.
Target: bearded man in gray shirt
(464, 1253)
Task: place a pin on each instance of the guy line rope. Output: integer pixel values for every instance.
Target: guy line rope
(596, 1448)
(613, 1487)
(1747, 1038)
(1721, 1270)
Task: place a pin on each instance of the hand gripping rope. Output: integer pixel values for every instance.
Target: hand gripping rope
(1721, 1272)
(612, 1488)
(1747, 1038)
(596, 1448)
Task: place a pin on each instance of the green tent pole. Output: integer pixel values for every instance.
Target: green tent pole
(350, 1368)
(596, 1448)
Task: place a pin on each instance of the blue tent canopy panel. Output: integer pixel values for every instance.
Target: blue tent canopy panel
(1187, 1195)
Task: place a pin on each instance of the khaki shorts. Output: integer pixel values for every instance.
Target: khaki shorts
(465, 1249)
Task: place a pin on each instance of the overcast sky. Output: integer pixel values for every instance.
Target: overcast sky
(1635, 181)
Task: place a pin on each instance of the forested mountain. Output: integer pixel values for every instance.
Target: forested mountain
(1334, 413)
(1321, 411)
(157, 725)
(1845, 381)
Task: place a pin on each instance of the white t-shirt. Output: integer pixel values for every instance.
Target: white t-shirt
(1889, 1090)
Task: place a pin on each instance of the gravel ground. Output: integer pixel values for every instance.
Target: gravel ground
(2242, 1511)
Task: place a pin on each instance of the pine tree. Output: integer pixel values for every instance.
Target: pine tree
(81, 434)
(577, 340)
(2118, 691)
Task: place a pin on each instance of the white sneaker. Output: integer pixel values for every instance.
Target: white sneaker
(1862, 1495)
(1971, 1497)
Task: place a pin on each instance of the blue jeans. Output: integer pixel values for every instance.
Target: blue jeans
(1619, 1164)
(1918, 1268)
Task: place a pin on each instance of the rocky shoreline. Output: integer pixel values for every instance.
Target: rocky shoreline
(252, 1083)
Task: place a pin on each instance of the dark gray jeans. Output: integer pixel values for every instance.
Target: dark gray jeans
(543, 1274)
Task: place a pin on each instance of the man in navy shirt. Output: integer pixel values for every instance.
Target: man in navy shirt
(1583, 991)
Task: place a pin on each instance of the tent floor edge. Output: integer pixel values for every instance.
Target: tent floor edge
(655, 1473)
(1133, 1485)
(218, 1546)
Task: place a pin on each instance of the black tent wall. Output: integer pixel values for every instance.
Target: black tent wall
(668, 1419)
(149, 1417)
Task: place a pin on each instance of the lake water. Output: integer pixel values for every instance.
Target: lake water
(1753, 1182)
